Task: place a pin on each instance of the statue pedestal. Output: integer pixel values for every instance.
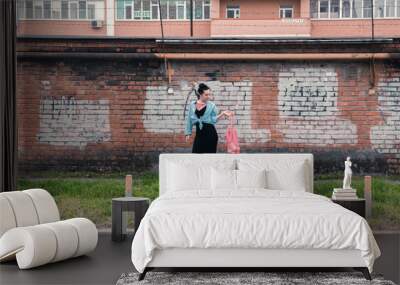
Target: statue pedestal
(344, 189)
(344, 194)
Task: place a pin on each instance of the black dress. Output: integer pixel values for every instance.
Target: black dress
(206, 139)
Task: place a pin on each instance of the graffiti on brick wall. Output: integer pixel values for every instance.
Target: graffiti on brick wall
(163, 113)
(67, 121)
(386, 138)
(308, 111)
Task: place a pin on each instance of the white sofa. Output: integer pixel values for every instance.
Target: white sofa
(31, 231)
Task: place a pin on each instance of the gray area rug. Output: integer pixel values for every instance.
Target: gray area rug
(228, 278)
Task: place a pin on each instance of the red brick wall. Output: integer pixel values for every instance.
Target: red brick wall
(112, 114)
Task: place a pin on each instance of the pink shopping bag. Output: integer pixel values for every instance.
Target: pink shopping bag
(232, 141)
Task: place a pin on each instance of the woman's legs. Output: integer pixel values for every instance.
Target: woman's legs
(206, 140)
(214, 143)
(196, 147)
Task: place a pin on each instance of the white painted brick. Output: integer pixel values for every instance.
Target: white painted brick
(77, 122)
(226, 95)
(386, 138)
(312, 94)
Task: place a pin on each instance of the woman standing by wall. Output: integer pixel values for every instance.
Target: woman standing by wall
(204, 114)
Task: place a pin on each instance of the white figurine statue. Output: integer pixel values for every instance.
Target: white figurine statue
(347, 174)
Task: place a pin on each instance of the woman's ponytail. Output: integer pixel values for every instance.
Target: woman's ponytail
(200, 90)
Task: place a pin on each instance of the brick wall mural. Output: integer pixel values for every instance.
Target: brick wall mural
(385, 138)
(116, 114)
(308, 108)
(81, 121)
(163, 112)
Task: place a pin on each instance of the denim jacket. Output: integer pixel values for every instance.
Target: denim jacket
(210, 116)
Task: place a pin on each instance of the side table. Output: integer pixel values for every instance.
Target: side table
(138, 205)
(355, 205)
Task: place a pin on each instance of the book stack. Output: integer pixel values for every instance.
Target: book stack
(344, 194)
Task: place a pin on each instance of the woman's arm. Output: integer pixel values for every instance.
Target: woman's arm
(220, 115)
(188, 126)
(223, 113)
(215, 114)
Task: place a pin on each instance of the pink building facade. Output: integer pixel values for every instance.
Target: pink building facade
(211, 18)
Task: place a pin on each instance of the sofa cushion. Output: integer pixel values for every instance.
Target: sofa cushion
(46, 207)
(87, 233)
(32, 246)
(27, 208)
(7, 215)
(23, 208)
(37, 245)
(67, 240)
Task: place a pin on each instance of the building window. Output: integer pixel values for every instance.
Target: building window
(82, 9)
(198, 9)
(314, 8)
(146, 10)
(187, 9)
(38, 9)
(170, 9)
(180, 10)
(73, 10)
(47, 9)
(56, 9)
(367, 9)
(334, 9)
(346, 9)
(324, 8)
(20, 9)
(379, 8)
(286, 11)
(128, 10)
(91, 11)
(164, 9)
(137, 8)
(331, 9)
(201, 9)
(390, 8)
(154, 9)
(398, 9)
(120, 7)
(233, 11)
(64, 10)
(29, 9)
(206, 9)
(356, 10)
